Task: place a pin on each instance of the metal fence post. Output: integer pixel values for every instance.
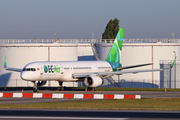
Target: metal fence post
(131, 83)
(5, 84)
(143, 83)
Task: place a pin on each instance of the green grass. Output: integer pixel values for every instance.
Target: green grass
(127, 104)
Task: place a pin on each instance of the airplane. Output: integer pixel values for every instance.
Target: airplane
(91, 72)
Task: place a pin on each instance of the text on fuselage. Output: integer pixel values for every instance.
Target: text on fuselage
(51, 69)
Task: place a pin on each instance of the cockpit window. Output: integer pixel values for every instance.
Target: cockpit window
(29, 69)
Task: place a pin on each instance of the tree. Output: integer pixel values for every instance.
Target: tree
(115, 27)
(111, 30)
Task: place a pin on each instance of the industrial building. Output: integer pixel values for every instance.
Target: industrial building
(161, 52)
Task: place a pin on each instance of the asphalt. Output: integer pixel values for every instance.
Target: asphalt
(87, 114)
(49, 114)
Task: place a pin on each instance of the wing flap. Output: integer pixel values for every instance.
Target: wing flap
(128, 71)
(78, 75)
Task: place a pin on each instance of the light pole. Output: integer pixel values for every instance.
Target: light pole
(175, 71)
(92, 35)
(172, 35)
(54, 34)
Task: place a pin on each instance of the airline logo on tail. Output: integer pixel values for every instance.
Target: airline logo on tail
(115, 52)
(5, 63)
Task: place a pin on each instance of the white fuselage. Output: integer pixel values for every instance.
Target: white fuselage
(61, 70)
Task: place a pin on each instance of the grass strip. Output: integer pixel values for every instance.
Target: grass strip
(126, 104)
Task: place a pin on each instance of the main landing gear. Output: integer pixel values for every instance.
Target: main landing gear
(91, 89)
(60, 87)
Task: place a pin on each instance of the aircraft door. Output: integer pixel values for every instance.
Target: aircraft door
(40, 67)
(61, 72)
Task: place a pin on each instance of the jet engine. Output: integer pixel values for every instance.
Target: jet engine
(93, 81)
(41, 83)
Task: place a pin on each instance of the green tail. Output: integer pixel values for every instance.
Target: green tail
(115, 52)
(114, 56)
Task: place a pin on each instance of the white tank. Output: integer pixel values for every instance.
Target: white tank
(140, 53)
(18, 55)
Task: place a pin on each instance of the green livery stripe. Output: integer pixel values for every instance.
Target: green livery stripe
(114, 54)
(120, 37)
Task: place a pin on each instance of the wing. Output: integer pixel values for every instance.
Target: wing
(108, 74)
(111, 73)
(14, 69)
(10, 69)
(133, 66)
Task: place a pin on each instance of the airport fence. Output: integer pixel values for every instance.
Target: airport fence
(143, 83)
(128, 83)
(75, 41)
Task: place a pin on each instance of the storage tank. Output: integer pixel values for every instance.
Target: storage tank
(21, 52)
(140, 52)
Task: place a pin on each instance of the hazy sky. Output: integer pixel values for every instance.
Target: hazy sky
(72, 19)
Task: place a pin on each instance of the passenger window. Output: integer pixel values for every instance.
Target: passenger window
(29, 69)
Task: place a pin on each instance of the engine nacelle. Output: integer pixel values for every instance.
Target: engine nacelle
(93, 81)
(41, 83)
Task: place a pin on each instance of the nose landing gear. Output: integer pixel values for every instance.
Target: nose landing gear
(35, 89)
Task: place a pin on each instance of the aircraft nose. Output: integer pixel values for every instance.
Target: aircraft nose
(24, 75)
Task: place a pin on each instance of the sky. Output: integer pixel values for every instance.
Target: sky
(78, 19)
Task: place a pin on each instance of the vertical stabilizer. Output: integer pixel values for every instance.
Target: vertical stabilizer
(114, 55)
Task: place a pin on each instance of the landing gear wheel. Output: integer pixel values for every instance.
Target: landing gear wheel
(91, 89)
(60, 87)
(94, 89)
(35, 89)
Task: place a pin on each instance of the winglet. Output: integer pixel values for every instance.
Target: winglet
(173, 62)
(5, 63)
